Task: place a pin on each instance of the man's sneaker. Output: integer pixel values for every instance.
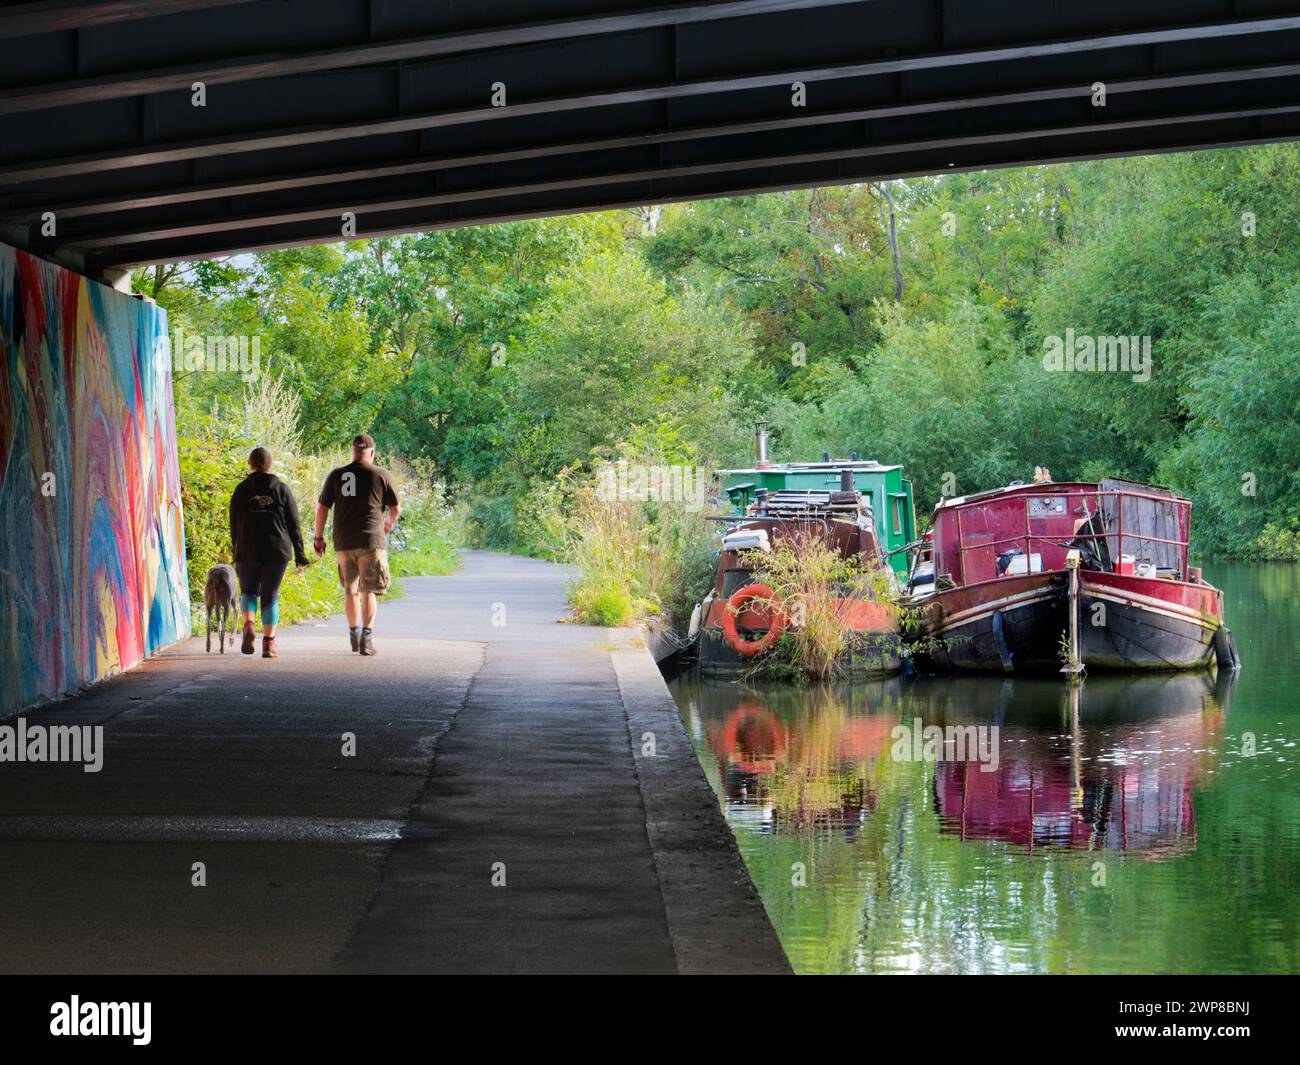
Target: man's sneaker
(268, 647)
(355, 636)
(250, 638)
(367, 644)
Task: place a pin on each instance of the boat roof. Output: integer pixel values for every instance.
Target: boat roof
(1042, 487)
(834, 466)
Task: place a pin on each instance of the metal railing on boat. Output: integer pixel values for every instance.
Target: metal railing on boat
(1029, 537)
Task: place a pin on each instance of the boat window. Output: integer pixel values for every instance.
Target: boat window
(897, 509)
(733, 580)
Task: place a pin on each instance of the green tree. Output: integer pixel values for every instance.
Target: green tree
(611, 349)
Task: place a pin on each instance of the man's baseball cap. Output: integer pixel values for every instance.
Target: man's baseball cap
(363, 440)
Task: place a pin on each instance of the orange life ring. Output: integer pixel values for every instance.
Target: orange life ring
(740, 599)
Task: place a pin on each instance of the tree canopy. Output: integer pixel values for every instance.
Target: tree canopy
(906, 321)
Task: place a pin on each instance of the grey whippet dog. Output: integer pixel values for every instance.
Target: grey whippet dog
(219, 598)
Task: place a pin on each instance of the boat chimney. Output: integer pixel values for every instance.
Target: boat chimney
(760, 438)
(760, 502)
(826, 456)
(853, 456)
(846, 480)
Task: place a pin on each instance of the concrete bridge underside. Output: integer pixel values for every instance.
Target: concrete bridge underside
(388, 108)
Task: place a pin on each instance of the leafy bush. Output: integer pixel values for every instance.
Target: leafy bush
(1277, 544)
(546, 532)
(491, 523)
(651, 557)
(212, 462)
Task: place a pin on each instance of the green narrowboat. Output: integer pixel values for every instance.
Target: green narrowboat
(889, 491)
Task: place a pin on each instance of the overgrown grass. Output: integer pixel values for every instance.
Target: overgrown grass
(610, 605)
(636, 558)
(815, 586)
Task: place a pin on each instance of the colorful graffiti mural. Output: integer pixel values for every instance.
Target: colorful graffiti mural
(92, 549)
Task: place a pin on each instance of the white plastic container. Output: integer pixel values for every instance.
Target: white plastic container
(1022, 564)
(746, 540)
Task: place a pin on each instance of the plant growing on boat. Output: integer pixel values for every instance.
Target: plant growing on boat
(814, 586)
(1064, 652)
(782, 664)
(914, 641)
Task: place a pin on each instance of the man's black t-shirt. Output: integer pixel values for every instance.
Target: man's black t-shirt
(360, 493)
(264, 523)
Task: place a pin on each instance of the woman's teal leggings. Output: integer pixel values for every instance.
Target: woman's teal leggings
(261, 581)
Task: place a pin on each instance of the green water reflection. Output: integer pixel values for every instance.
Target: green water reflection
(1123, 829)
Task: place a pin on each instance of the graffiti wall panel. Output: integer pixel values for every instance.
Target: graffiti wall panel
(92, 563)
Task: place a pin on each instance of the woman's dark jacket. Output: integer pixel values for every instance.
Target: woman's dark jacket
(264, 521)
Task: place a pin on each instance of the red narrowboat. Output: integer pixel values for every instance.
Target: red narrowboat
(1037, 577)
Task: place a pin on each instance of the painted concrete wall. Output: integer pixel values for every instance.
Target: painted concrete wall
(92, 549)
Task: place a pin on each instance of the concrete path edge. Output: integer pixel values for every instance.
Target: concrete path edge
(715, 917)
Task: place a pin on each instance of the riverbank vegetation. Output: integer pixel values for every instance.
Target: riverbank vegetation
(503, 363)
(635, 556)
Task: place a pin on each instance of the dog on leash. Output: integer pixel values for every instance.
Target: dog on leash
(219, 599)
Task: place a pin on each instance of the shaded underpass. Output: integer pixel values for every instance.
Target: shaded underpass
(484, 752)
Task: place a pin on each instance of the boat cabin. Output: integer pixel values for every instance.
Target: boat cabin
(1117, 526)
(843, 520)
(884, 488)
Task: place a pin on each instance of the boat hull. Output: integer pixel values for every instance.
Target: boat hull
(875, 646)
(1128, 622)
(1018, 624)
(1011, 625)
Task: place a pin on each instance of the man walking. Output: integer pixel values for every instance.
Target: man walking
(365, 505)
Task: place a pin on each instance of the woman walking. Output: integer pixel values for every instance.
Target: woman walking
(265, 536)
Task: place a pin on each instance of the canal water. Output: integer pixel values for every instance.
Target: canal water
(1125, 827)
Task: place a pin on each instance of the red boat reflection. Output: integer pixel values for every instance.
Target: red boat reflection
(1127, 787)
